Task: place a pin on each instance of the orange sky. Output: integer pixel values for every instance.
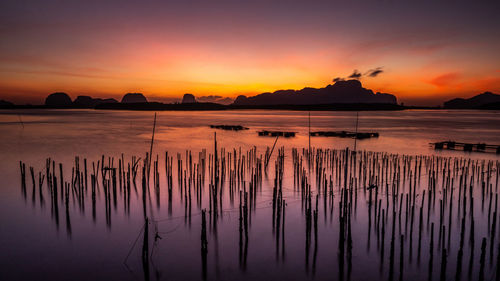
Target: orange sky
(213, 52)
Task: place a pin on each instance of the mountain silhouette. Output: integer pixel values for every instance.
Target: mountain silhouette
(58, 100)
(215, 99)
(6, 104)
(134, 98)
(89, 102)
(477, 101)
(188, 98)
(348, 91)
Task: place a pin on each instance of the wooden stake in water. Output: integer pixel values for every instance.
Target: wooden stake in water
(145, 250)
(309, 136)
(151, 147)
(482, 259)
(204, 244)
(356, 136)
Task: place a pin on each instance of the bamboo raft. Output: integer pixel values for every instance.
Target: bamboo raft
(344, 134)
(468, 147)
(229, 127)
(277, 134)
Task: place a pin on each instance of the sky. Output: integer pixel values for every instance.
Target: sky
(428, 51)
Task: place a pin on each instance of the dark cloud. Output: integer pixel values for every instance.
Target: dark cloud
(355, 75)
(374, 72)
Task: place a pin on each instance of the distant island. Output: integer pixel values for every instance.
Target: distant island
(342, 95)
(6, 104)
(348, 91)
(62, 100)
(134, 98)
(486, 100)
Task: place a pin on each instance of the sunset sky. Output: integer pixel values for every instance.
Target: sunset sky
(429, 51)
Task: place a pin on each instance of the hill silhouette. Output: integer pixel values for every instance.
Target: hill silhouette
(89, 102)
(215, 99)
(58, 100)
(479, 101)
(6, 104)
(134, 98)
(342, 92)
(188, 98)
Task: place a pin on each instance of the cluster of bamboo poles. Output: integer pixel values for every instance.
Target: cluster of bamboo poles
(279, 205)
(408, 198)
(398, 178)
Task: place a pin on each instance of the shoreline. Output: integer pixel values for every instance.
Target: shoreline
(218, 107)
(156, 106)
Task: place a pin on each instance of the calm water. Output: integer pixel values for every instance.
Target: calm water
(81, 246)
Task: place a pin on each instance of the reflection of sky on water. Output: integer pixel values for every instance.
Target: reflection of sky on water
(37, 249)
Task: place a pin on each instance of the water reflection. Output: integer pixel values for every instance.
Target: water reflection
(229, 215)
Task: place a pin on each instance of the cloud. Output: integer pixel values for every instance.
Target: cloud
(487, 83)
(445, 79)
(374, 72)
(355, 74)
